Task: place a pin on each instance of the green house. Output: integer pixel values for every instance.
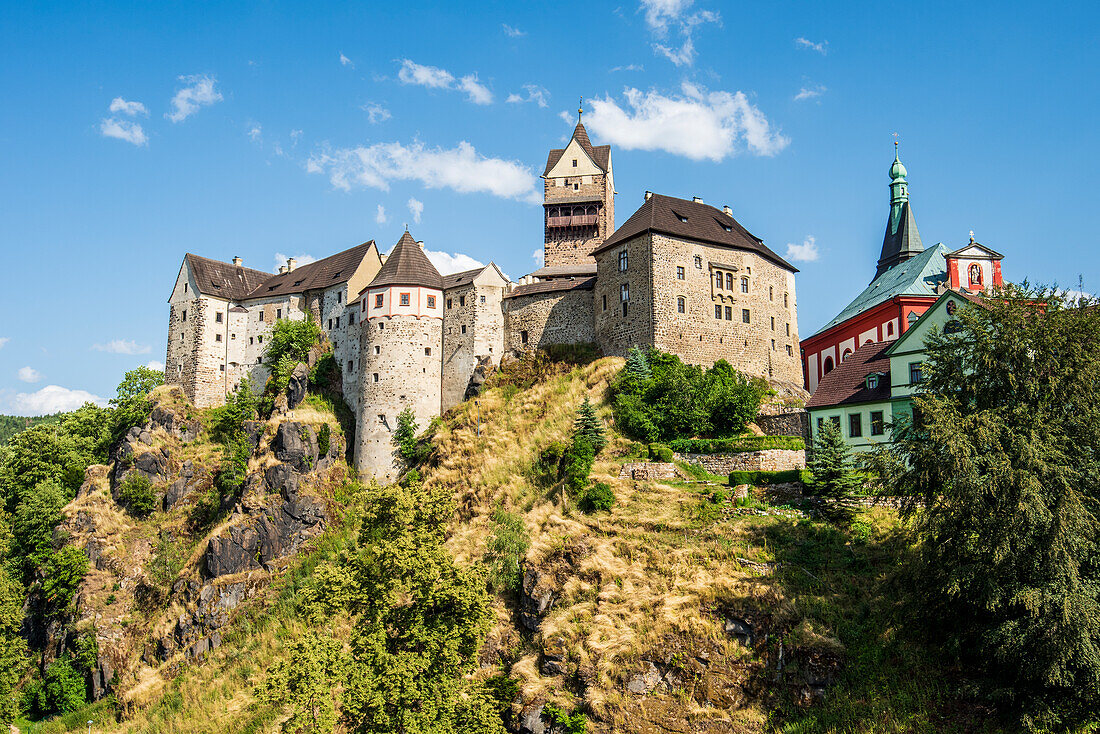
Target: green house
(871, 390)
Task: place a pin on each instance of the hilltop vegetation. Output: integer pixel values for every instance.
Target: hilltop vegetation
(13, 424)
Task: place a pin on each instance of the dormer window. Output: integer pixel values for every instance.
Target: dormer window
(872, 382)
(681, 217)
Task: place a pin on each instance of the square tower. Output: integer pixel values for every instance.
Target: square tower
(579, 200)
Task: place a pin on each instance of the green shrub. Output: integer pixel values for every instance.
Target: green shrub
(757, 478)
(136, 495)
(578, 465)
(735, 445)
(325, 375)
(597, 498)
(324, 438)
(719, 496)
(574, 723)
(549, 466)
(506, 551)
(234, 467)
(62, 575)
(660, 452)
(63, 688)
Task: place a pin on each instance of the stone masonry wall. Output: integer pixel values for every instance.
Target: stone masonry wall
(793, 423)
(459, 351)
(616, 333)
(561, 317)
(567, 246)
(767, 460)
(406, 377)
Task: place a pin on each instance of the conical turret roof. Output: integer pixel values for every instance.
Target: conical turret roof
(408, 265)
(600, 154)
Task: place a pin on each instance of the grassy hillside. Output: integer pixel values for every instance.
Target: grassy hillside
(669, 612)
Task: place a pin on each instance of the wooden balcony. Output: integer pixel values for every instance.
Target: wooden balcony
(584, 220)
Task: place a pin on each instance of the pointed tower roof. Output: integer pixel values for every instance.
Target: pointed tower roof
(600, 154)
(408, 265)
(902, 240)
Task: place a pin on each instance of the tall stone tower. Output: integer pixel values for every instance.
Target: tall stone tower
(400, 353)
(902, 240)
(579, 200)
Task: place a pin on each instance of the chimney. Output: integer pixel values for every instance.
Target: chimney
(648, 195)
(727, 211)
(697, 200)
(282, 270)
(291, 263)
(238, 262)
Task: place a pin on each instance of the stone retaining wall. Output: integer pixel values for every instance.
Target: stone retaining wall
(793, 423)
(767, 460)
(646, 470)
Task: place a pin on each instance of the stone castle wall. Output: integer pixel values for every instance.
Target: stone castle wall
(616, 333)
(767, 460)
(568, 246)
(559, 317)
(459, 350)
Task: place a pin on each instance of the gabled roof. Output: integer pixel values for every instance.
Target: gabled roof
(600, 154)
(847, 383)
(918, 276)
(989, 252)
(704, 223)
(899, 245)
(223, 280)
(963, 294)
(408, 265)
(553, 286)
(467, 276)
(326, 273)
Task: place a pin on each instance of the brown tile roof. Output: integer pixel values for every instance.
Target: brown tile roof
(318, 275)
(705, 223)
(553, 286)
(565, 271)
(846, 384)
(456, 279)
(223, 280)
(408, 265)
(600, 154)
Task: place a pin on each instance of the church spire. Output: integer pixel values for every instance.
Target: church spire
(902, 240)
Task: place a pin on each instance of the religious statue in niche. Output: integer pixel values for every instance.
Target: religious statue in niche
(975, 274)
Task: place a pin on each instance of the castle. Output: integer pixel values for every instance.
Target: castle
(679, 275)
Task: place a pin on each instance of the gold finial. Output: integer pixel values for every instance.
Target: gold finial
(971, 236)
(895, 143)
(580, 109)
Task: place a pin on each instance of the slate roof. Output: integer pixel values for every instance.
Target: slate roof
(318, 275)
(900, 246)
(705, 223)
(565, 271)
(408, 265)
(846, 384)
(918, 276)
(600, 154)
(553, 286)
(224, 280)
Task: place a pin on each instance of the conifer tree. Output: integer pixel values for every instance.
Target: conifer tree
(832, 468)
(637, 364)
(589, 426)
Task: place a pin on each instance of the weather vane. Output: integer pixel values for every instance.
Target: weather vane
(580, 108)
(895, 140)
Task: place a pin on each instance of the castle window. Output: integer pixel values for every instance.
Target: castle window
(771, 293)
(337, 322)
(339, 296)
(251, 340)
(179, 367)
(185, 287)
(377, 349)
(217, 337)
(624, 292)
(773, 345)
(523, 337)
(855, 425)
(877, 426)
(261, 315)
(431, 301)
(576, 187)
(405, 298)
(622, 261)
(784, 300)
(574, 163)
(218, 317)
(464, 328)
(624, 308)
(482, 299)
(449, 304)
(679, 272)
(718, 280)
(717, 310)
(221, 367)
(233, 337)
(260, 339)
(790, 352)
(184, 315)
(744, 285)
(788, 328)
(745, 316)
(381, 326)
(681, 305)
(773, 323)
(729, 313)
(374, 377)
(182, 337)
(461, 301)
(605, 302)
(698, 262)
(729, 281)
(330, 324)
(351, 318)
(427, 351)
(378, 298)
(351, 366)
(259, 360)
(278, 313)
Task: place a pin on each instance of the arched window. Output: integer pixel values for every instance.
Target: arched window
(847, 353)
(890, 329)
(681, 305)
(828, 366)
(729, 281)
(718, 280)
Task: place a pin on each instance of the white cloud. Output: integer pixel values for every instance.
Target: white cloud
(199, 92)
(416, 208)
(435, 78)
(447, 263)
(295, 136)
(51, 399)
(810, 93)
(460, 168)
(345, 61)
(155, 364)
(535, 93)
(254, 133)
(512, 32)
(539, 256)
(376, 113)
(280, 260)
(822, 47)
(128, 130)
(425, 76)
(628, 67)
(118, 104)
(29, 374)
(122, 346)
(477, 92)
(697, 124)
(380, 216)
(662, 16)
(806, 252)
(4, 340)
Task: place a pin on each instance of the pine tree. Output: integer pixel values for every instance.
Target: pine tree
(637, 364)
(833, 469)
(589, 426)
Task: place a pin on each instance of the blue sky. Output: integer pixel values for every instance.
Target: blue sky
(131, 133)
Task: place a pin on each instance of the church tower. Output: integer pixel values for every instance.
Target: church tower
(902, 240)
(579, 200)
(400, 353)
